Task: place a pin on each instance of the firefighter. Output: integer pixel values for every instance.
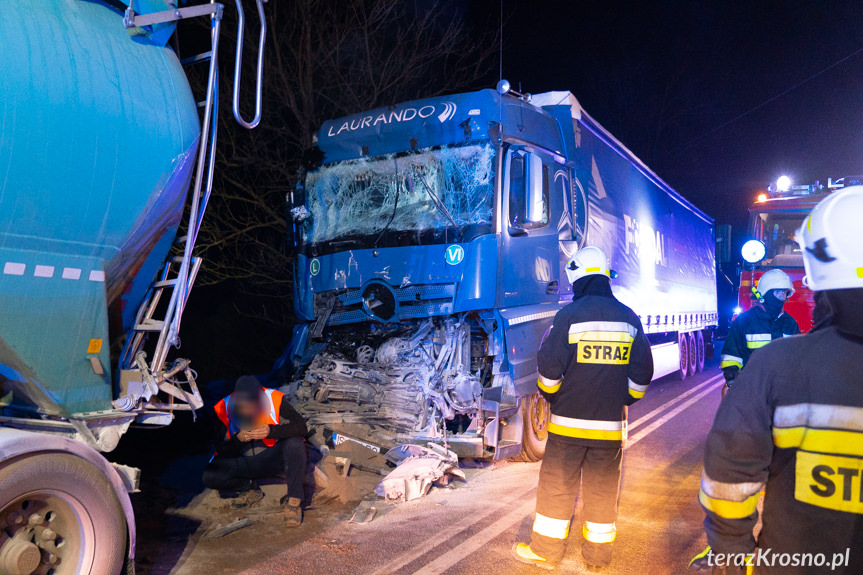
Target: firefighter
(759, 325)
(258, 434)
(594, 362)
(792, 426)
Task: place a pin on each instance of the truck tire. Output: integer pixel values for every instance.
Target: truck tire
(693, 354)
(701, 352)
(683, 341)
(61, 517)
(535, 413)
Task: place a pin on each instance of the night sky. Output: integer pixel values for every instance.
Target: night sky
(687, 85)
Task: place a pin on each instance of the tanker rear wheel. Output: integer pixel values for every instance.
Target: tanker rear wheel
(535, 413)
(59, 516)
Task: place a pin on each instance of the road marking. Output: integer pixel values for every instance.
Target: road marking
(644, 432)
(670, 404)
(476, 542)
(420, 550)
(481, 539)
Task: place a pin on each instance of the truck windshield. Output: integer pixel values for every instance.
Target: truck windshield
(431, 195)
(777, 231)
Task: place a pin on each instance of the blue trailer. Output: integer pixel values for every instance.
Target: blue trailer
(432, 237)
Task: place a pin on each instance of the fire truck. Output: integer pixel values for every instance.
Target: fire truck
(774, 220)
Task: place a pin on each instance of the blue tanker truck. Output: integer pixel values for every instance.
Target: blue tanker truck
(431, 241)
(103, 149)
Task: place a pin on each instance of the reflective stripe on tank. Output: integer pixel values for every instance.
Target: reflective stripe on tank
(548, 385)
(550, 527)
(756, 340)
(587, 428)
(599, 532)
(635, 390)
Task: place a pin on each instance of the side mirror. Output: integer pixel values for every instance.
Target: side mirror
(515, 232)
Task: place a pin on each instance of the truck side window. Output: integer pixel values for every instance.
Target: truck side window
(528, 190)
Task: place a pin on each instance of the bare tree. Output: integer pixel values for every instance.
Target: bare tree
(325, 59)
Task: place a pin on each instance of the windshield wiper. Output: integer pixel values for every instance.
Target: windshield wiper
(438, 203)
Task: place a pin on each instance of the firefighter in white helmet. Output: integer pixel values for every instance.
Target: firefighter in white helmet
(594, 362)
(760, 324)
(792, 426)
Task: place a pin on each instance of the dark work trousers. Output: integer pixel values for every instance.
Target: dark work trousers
(565, 465)
(287, 456)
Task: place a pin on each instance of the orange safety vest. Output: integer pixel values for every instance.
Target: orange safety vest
(269, 415)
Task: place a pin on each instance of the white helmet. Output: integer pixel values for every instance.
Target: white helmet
(585, 262)
(774, 279)
(831, 239)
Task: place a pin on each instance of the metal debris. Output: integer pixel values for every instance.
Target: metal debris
(222, 530)
(406, 385)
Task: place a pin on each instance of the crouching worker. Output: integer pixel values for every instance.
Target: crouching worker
(258, 434)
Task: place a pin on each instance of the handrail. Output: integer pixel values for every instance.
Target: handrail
(241, 27)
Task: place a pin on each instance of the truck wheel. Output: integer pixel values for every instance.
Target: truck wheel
(700, 350)
(59, 516)
(535, 412)
(683, 341)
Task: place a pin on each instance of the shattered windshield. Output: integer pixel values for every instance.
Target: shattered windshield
(426, 193)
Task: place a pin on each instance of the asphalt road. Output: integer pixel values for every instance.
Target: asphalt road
(470, 529)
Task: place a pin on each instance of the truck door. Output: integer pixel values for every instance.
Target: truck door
(529, 270)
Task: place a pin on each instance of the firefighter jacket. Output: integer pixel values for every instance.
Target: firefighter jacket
(792, 428)
(753, 329)
(594, 362)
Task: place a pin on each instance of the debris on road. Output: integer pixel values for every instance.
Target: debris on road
(418, 471)
(364, 512)
(225, 529)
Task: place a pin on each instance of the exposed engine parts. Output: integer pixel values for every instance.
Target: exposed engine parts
(408, 383)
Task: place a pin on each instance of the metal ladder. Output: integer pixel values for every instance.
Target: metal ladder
(179, 272)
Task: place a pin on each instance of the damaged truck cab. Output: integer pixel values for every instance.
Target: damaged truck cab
(431, 242)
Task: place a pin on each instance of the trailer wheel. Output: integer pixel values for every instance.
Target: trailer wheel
(59, 516)
(535, 412)
(683, 341)
(700, 350)
(693, 354)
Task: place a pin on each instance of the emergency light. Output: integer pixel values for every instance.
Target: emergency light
(753, 251)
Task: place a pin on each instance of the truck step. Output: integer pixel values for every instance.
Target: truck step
(165, 283)
(150, 325)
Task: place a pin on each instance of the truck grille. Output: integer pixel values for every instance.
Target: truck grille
(415, 301)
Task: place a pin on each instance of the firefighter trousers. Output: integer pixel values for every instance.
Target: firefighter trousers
(567, 465)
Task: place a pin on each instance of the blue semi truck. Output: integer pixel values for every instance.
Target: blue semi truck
(431, 241)
(105, 152)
